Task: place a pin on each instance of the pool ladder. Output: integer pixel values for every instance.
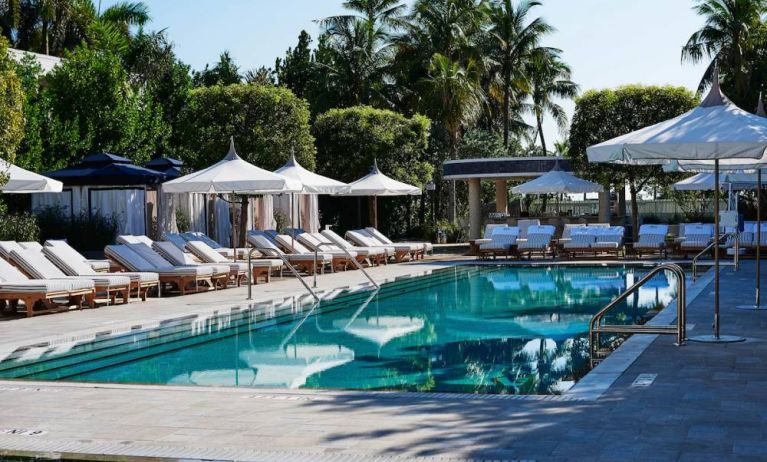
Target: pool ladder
(736, 257)
(597, 327)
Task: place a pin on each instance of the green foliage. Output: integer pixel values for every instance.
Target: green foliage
(31, 152)
(83, 232)
(182, 221)
(95, 108)
(267, 124)
(11, 106)
(477, 143)
(297, 71)
(225, 72)
(350, 140)
(22, 228)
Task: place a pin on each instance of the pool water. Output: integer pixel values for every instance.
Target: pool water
(485, 329)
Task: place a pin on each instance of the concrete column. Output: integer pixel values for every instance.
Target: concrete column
(604, 207)
(475, 209)
(501, 196)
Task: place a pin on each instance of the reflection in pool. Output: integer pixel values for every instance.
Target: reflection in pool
(466, 329)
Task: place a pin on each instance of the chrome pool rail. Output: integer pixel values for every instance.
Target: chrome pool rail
(346, 251)
(711, 246)
(679, 329)
(270, 253)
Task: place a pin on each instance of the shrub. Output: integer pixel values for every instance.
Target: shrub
(22, 228)
(83, 232)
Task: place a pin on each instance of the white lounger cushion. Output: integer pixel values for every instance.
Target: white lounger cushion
(69, 261)
(7, 246)
(12, 280)
(163, 267)
(178, 257)
(367, 241)
(330, 236)
(297, 248)
(209, 255)
(427, 246)
(414, 247)
(132, 260)
(535, 241)
(31, 245)
(39, 267)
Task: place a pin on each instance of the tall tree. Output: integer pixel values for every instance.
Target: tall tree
(225, 72)
(514, 40)
(297, 71)
(455, 98)
(734, 37)
(549, 79)
(11, 107)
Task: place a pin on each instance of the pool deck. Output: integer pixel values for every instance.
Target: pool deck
(708, 402)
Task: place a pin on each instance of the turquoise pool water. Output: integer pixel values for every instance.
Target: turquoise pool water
(486, 329)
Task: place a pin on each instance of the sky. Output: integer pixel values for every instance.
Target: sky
(607, 43)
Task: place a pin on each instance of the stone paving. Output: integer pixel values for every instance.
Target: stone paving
(707, 403)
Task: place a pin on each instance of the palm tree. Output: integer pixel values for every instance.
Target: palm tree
(357, 49)
(455, 98)
(513, 41)
(731, 36)
(549, 79)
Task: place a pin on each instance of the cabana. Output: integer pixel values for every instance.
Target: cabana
(558, 182)
(108, 185)
(376, 184)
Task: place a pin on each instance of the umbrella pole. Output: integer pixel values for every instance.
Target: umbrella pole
(716, 338)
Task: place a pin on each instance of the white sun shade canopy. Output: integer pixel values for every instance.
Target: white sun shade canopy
(557, 182)
(716, 129)
(311, 183)
(376, 183)
(22, 181)
(232, 175)
(705, 182)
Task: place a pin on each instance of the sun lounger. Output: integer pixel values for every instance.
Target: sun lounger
(609, 240)
(6, 247)
(304, 262)
(402, 252)
(100, 266)
(339, 259)
(15, 287)
(381, 252)
(652, 240)
(37, 266)
(538, 241)
(73, 264)
(427, 246)
(260, 267)
(129, 256)
(227, 252)
(222, 274)
(696, 238)
(748, 236)
(176, 239)
(417, 249)
(365, 256)
(523, 226)
(31, 245)
(580, 241)
(501, 242)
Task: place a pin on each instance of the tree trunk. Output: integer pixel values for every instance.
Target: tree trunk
(539, 119)
(634, 211)
(244, 205)
(506, 110)
(452, 197)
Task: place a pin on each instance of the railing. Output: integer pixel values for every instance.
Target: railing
(271, 252)
(351, 257)
(596, 328)
(711, 246)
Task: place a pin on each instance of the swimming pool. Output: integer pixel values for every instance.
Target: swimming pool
(466, 329)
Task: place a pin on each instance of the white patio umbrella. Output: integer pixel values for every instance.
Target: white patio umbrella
(311, 183)
(21, 181)
(232, 175)
(716, 131)
(705, 181)
(376, 184)
(557, 181)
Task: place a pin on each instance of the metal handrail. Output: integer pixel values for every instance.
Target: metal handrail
(351, 257)
(271, 252)
(708, 248)
(680, 329)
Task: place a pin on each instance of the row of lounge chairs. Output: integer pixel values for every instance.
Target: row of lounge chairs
(55, 277)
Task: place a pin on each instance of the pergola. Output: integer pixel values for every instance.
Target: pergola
(500, 170)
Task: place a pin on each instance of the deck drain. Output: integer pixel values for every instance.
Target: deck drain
(21, 432)
(644, 380)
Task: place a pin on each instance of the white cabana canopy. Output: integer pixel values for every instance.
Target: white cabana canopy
(311, 183)
(232, 175)
(716, 129)
(22, 181)
(557, 182)
(377, 184)
(704, 181)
